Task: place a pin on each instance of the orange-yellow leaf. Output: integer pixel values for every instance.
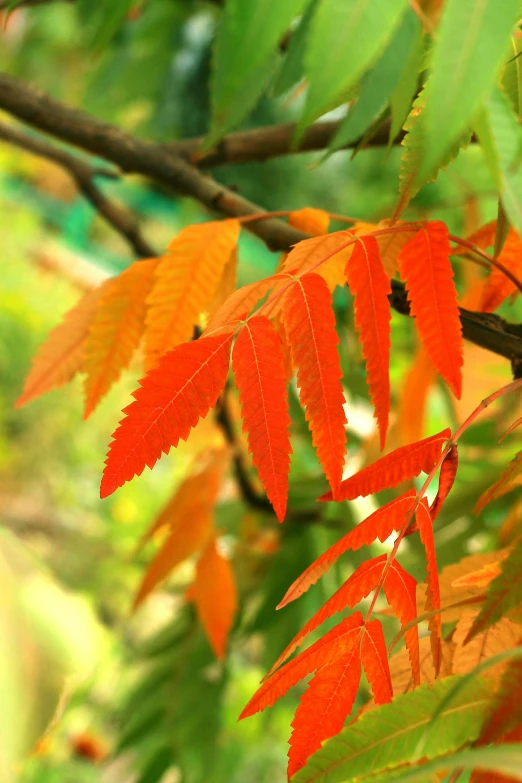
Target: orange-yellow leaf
(401, 464)
(215, 594)
(226, 286)
(257, 361)
(375, 662)
(369, 285)
(414, 392)
(480, 578)
(357, 586)
(61, 355)
(379, 525)
(335, 248)
(390, 245)
(324, 707)
(116, 330)
(400, 589)
(425, 267)
(424, 525)
(483, 237)
(310, 220)
(172, 398)
(186, 280)
(187, 536)
(337, 642)
(507, 481)
(310, 328)
(241, 302)
(498, 287)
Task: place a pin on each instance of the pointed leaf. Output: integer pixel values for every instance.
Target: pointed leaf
(245, 47)
(379, 525)
(172, 398)
(345, 39)
(257, 362)
(506, 710)
(241, 302)
(407, 84)
(469, 49)
(337, 642)
(186, 280)
(61, 355)
(359, 585)
(310, 220)
(498, 287)
(307, 254)
(425, 528)
(448, 472)
(401, 464)
(215, 594)
(116, 330)
(324, 707)
(507, 481)
(416, 386)
(310, 328)
(400, 591)
(387, 737)
(369, 285)
(424, 265)
(468, 655)
(375, 662)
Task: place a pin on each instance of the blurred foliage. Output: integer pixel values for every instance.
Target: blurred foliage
(89, 692)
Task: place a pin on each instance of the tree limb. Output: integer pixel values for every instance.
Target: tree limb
(83, 175)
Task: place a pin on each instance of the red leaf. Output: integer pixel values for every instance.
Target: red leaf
(257, 361)
(448, 471)
(357, 586)
(324, 707)
(424, 525)
(498, 287)
(424, 265)
(337, 642)
(116, 330)
(241, 302)
(369, 285)
(375, 662)
(310, 328)
(215, 594)
(183, 387)
(400, 589)
(402, 464)
(379, 525)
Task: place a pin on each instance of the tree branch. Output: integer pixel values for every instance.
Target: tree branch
(156, 162)
(264, 143)
(83, 175)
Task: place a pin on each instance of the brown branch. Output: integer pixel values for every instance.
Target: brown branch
(154, 161)
(83, 175)
(273, 141)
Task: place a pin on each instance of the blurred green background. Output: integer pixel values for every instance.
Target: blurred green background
(89, 692)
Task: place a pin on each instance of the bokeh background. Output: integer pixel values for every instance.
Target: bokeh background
(89, 691)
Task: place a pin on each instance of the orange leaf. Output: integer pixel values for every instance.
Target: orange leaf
(338, 641)
(416, 386)
(483, 237)
(215, 594)
(375, 662)
(357, 586)
(336, 248)
(424, 265)
(507, 481)
(400, 589)
(480, 578)
(116, 330)
(241, 302)
(498, 287)
(187, 279)
(515, 735)
(188, 535)
(61, 355)
(172, 398)
(324, 707)
(257, 361)
(401, 464)
(448, 472)
(370, 287)
(310, 220)
(310, 328)
(390, 245)
(379, 525)
(227, 284)
(424, 525)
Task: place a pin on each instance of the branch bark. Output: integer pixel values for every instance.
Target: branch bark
(83, 174)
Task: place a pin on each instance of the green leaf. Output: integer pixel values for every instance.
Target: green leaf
(504, 593)
(386, 738)
(404, 93)
(158, 764)
(500, 136)
(473, 36)
(346, 38)
(379, 83)
(105, 19)
(506, 759)
(245, 46)
(292, 68)
(512, 76)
